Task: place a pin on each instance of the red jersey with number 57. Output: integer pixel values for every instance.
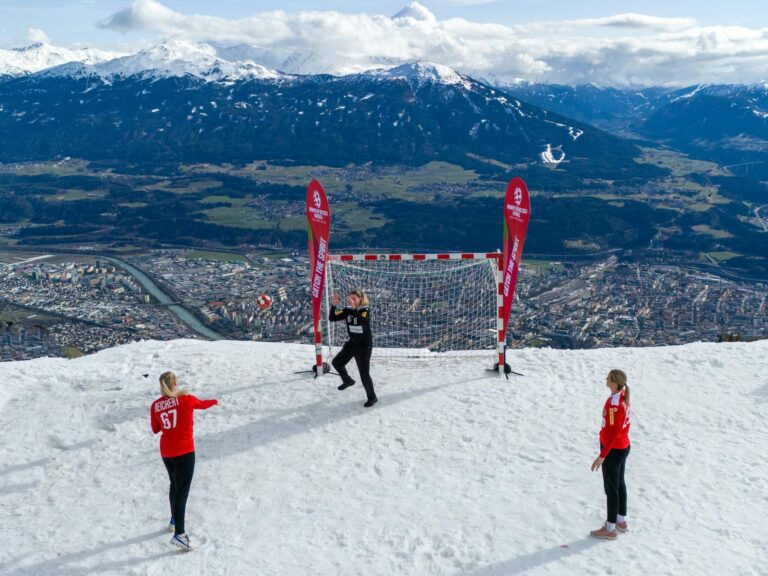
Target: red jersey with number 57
(173, 417)
(615, 430)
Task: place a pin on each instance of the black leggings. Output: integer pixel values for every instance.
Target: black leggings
(613, 481)
(180, 471)
(362, 356)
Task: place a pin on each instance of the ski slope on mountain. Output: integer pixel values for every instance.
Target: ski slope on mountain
(453, 472)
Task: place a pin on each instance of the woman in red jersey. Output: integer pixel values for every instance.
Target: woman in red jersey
(614, 449)
(172, 415)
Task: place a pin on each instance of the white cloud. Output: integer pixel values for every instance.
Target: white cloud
(637, 21)
(37, 35)
(619, 49)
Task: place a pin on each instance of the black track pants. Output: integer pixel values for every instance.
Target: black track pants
(180, 471)
(362, 356)
(613, 481)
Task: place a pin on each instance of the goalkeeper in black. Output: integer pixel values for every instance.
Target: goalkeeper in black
(360, 344)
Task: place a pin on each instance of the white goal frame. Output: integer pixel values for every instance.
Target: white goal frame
(495, 259)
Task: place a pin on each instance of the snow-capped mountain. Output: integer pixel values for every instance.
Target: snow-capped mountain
(452, 473)
(712, 113)
(175, 58)
(634, 108)
(728, 124)
(304, 62)
(415, 11)
(41, 56)
(183, 101)
(607, 107)
(725, 123)
(418, 74)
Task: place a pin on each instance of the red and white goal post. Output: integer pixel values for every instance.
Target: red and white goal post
(423, 306)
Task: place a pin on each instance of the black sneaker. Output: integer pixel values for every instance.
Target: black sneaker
(371, 402)
(345, 385)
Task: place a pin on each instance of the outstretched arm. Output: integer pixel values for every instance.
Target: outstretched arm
(198, 404)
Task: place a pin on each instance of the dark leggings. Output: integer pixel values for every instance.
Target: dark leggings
(613, 481)
(362, 356)
(180, 471)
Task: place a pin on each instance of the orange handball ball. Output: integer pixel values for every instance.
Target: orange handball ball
(264, 301)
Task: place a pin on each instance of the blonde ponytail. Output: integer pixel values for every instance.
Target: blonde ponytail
(167, 382)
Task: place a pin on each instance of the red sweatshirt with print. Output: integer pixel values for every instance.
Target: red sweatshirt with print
(615, 430)
(173, 417)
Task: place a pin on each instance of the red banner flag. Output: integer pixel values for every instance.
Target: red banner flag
(319, 227)
(517, 213)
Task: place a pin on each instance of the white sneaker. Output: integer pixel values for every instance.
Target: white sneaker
(182, 541)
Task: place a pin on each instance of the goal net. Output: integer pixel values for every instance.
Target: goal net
(422, 305)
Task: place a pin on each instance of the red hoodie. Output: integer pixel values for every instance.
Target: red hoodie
(173, 417)
(615, 430)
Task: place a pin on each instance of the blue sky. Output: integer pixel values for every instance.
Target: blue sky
(625, 42)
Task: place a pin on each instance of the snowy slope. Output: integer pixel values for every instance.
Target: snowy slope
(174, 58)
(41, 56)
(420, 73)
(451, 473)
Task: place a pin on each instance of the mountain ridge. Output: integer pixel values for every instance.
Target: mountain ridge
(132, 108)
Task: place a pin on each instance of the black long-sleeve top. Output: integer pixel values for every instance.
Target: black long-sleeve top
(358, 324)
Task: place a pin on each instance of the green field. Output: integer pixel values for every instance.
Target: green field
(389, 182)
(74, 194)
(188, 187)
(58, 168)
(356, 218)
(211, 255)
(237, 217)
(678, 163)
(723, 256)
(704, 229)
(683, 191)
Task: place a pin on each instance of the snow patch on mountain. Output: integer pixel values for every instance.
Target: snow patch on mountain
(41, 56)
(574, 133)
(175, 58)
(418, 74)
(690, 94)
(548, 155)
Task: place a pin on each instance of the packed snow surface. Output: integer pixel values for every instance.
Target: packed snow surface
(453, 472)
